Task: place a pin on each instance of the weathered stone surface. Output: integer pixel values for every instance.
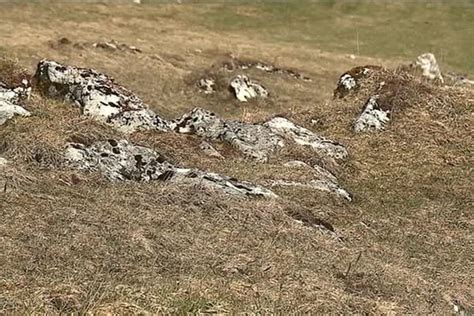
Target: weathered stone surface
(98, 96)
(119, 160)
(255, 141)
(11, 99)
(429, 67)
(373, 117)
(302, 136)
(245, 89)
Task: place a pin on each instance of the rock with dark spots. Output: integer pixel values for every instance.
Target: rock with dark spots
(97, 95)
(349, 81)
(245, 89)
(207, 85)
(255, 141)
(119, 160)
(11, 100)
(302, 136)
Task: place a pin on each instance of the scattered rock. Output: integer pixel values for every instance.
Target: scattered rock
(98, 96)
(373, 117)
(429, 66)
(10, 100)
(245, 89)
(302, 136)
(209, 150)
(207, 85)
(255, 141)
(119, 160)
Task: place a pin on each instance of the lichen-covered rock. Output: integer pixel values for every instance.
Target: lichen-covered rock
(98, 96)
(373, 116)
(245, 89)
(302, 136)
(119, 160)
(10, 100)
(429, 66)
(207, 85)
(254, 140)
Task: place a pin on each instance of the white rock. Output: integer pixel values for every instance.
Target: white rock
(302, 136)
(372, 118)
(98, 96)
(246, 89)
(120, 161)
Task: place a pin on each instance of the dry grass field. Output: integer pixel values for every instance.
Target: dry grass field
(72, 242)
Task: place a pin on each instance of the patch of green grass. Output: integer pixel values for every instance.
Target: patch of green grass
(373, 29)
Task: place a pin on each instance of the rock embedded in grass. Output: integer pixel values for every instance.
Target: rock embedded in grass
(118, 160)
(98, 96)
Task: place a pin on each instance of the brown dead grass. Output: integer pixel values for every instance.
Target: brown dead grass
(74, 243)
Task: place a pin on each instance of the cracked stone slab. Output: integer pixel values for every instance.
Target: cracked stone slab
(11, 100)
(119, 160)
(245, 89)
(98, 96)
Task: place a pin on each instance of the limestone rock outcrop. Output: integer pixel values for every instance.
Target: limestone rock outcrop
(119, 160)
